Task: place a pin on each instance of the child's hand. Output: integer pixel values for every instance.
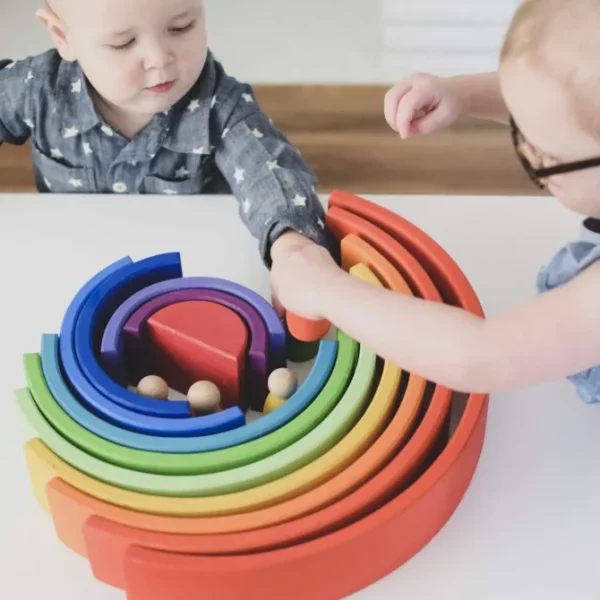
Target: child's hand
(302, 274)
(422, 103)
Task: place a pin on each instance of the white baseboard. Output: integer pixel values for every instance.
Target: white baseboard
(444, 37)
(497, 12)
(436, 39)
(397, 65)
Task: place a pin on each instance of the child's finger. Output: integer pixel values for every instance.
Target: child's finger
(410, 106)
(391, 100)
(430, 121)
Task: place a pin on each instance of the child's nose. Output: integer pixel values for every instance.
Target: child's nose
(157, 57)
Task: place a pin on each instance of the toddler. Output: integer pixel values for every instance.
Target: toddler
(131, 100)
(548, 90)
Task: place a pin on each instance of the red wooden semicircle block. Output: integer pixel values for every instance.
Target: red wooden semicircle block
(195, 340)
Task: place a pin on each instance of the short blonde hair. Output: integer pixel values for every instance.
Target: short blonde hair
(563, 38)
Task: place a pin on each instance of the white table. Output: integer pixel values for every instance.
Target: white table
(529, 524)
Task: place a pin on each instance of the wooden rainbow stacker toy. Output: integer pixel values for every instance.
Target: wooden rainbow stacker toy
(340, 481)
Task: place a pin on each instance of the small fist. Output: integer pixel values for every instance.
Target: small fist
(421, 104)
(302, 274)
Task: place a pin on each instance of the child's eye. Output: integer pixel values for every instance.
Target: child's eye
(184, 29)
(124, 46)
(175, 30)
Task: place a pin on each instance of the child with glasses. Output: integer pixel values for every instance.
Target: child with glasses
(548, 89)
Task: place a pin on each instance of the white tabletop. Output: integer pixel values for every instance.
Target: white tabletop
(528, 525)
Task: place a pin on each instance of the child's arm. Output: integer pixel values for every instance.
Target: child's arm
(16, 80)
(481, 96)
(272, 182)
(551, 336)
(423, 103)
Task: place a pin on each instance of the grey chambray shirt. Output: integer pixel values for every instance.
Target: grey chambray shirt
(215, 140)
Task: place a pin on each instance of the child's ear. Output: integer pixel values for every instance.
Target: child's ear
(56, 29)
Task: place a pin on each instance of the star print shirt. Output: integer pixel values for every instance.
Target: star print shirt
(215, 140)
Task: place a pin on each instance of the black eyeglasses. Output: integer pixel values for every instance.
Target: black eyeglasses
(539, 175)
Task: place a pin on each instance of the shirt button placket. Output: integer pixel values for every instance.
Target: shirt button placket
(119, 182)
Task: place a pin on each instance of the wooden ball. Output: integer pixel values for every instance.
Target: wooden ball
(204, 397)
(282, 383)
(153, 386)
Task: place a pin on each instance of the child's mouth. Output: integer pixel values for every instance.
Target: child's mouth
(161, 88)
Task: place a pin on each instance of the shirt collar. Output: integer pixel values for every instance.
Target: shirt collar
(189, 122)
(73, 99)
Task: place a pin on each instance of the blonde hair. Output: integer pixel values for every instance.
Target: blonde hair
(562, 37)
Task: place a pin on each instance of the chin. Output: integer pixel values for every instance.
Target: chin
(158, 103)
(593, 213)
(587, 208)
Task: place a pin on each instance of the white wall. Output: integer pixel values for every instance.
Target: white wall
(20, 32)
(323, 41)
(258, 40)
(443, 36)
(298, 40)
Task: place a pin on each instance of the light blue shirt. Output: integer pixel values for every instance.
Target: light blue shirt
(571, 260)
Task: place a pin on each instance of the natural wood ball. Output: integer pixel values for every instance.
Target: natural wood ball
(153, 386)
(282, 383)
(204, 397)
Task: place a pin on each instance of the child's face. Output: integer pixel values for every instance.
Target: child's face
(547, 121)
(127, 47)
